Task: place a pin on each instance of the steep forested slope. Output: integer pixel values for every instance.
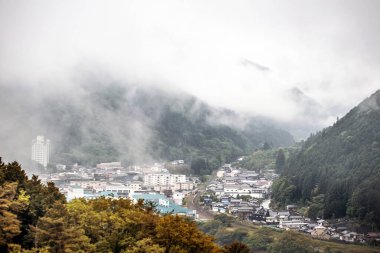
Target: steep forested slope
(337, 171)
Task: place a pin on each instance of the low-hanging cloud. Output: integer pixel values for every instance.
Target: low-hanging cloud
(246, 62)
(195, 46)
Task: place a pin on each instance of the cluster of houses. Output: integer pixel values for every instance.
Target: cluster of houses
(318, 229)
(152, 183)
(236, 191)
(236, 182)
(287, 220)
(245, 194)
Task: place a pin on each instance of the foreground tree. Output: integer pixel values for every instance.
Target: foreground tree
(9, 224)
(177, 234)
(236, 247)
(53, 231)
(146, 245)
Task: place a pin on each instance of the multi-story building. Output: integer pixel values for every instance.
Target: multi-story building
(163, 179)
(135, 185)
(41, 150)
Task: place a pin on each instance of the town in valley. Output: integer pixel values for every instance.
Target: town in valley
(231, 190)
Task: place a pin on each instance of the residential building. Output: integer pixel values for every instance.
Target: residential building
(135, 185)
(41, 150)
(163, 179)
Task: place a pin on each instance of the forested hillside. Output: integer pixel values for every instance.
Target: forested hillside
(337, 171)
(103, 121)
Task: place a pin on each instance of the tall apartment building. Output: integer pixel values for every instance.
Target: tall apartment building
(40, 150)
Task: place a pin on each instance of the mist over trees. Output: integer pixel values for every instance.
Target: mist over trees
(103, 120)
(280, 161)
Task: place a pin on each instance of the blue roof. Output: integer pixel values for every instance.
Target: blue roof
(149, 196)
(172, 208)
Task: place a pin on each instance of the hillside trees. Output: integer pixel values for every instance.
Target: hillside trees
(283, 192)
(365, 201)
(280, 161)
(336, 170)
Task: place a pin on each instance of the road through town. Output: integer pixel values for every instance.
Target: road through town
(192, 202)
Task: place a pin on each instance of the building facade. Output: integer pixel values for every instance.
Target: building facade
(163, 179)
(41, 150)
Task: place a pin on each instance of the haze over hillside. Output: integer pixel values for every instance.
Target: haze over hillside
(102, 119)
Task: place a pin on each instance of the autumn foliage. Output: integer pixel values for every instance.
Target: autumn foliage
(36, 218)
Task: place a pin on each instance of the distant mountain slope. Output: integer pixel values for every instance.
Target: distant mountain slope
(337, 171)
(108, 121)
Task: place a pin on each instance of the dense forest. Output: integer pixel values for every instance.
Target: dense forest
(103, 121)
(337, 171)
(36, 218)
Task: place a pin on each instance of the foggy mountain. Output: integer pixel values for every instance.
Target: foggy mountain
(102, 120)
(311, 115)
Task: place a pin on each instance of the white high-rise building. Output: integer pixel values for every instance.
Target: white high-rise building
(40, 150)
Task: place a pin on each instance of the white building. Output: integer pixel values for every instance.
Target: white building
(187, 186)
(178, 162)
(291, 224)
(118, 188)
(220, 173)
(95, 185)
(74, 192)
(163, 179)
(134, 185)
(41, 150)
(112, 165)
(238, 189)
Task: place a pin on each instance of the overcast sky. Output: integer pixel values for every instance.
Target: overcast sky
(243, 55)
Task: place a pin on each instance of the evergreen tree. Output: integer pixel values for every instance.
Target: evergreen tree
(54, 231)
(280, 161)
(9, 224)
